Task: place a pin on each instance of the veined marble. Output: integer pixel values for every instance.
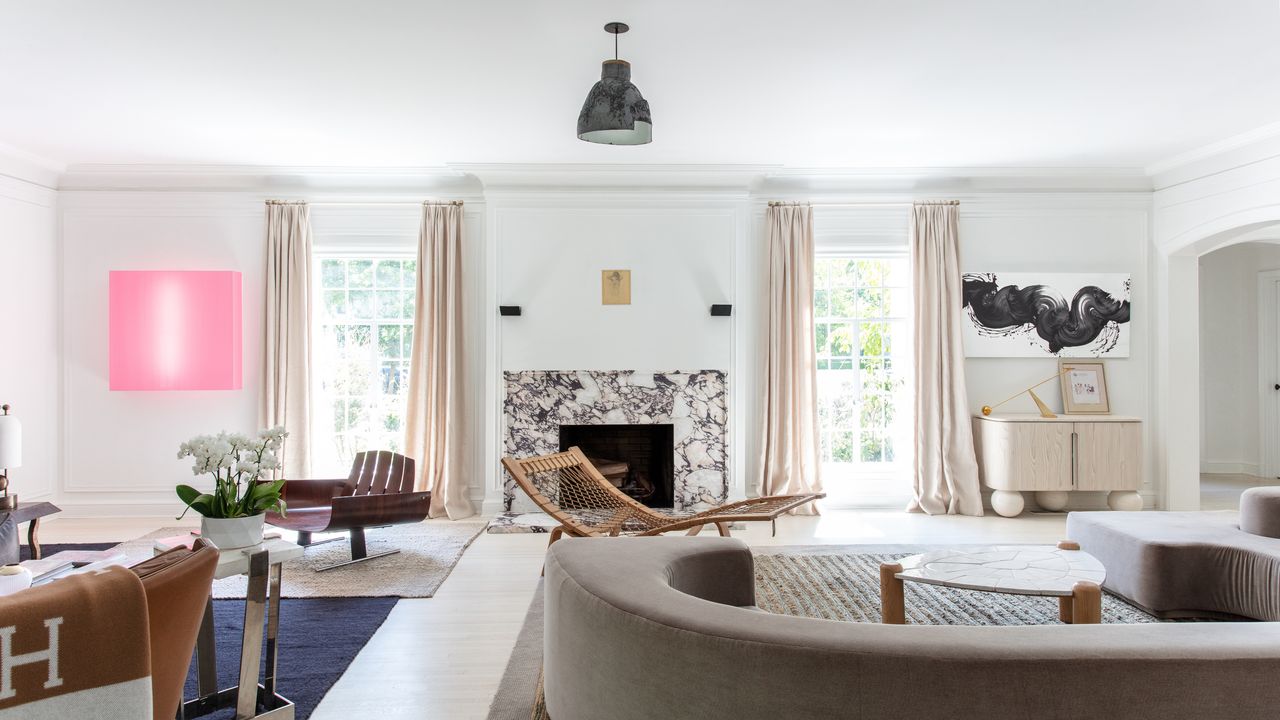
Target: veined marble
(1012, 569)
(538, 402)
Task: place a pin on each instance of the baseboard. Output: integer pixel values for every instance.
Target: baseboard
(489, 508)
(1229, 467)
(118, 510)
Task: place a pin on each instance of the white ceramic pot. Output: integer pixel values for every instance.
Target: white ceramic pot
(232, 533)
(14, 578)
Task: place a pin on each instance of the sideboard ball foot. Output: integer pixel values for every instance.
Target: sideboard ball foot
(1124, 500)
(1007, 503)
(1052, 500)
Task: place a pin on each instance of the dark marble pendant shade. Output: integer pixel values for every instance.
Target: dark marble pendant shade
(615, 113)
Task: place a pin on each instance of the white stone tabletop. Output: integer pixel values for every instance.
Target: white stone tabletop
(236, 560)
(1013, 569)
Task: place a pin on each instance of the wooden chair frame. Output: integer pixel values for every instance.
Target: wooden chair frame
(766, 508)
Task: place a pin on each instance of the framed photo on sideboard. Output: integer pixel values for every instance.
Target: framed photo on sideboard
(1084, 387)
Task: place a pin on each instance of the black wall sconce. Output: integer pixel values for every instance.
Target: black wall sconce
(508, 310)
(721, 310)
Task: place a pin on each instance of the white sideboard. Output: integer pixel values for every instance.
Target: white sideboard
(1054, 456)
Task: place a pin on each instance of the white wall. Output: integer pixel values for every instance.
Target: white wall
(684, 254)
(543, 251)
(1205, 203)
(681, 261)
(1103, 233)
(548, 255)
(1230, 384)
(29, 372)
(120, 447)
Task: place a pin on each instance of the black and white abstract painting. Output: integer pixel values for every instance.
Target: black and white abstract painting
(1026, 314)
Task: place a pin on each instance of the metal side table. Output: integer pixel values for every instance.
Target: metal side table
(263, 564)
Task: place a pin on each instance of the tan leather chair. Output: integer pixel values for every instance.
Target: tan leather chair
(123, 639)
(177, 585)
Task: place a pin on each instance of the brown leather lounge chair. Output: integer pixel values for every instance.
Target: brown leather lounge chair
(378, 492)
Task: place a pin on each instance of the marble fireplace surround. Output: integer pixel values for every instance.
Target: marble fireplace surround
(537, 402)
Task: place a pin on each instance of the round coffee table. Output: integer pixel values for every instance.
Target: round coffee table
(1065, 572)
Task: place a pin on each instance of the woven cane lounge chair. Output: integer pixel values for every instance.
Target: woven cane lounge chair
(568, 487)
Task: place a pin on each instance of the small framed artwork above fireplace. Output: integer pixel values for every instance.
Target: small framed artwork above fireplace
(638, 459)
(615, 287)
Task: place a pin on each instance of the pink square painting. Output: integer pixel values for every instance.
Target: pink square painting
(175, 330)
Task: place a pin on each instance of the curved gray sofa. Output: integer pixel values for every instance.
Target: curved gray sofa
(644, 628)
(1184, 564)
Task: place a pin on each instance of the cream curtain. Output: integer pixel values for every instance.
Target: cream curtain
(286, 376)
(789, 461)
(435, 429)
(946, 470)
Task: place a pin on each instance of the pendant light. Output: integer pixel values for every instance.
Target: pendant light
(615, 113)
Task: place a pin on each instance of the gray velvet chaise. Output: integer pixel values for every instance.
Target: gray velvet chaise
(1217, 564)
(663, 627)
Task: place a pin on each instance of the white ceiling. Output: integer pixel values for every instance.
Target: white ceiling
(806, 83)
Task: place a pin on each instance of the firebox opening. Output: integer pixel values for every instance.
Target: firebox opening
(638, 459)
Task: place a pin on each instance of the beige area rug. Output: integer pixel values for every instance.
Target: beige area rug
(828, 582)
(428, 553)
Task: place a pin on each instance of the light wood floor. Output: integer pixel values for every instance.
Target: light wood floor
(1222, 492)
(443, 657)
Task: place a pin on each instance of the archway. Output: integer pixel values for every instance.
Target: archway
(1177, 414)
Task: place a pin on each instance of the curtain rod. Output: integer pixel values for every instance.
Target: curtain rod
(783, 203)
(369, 202)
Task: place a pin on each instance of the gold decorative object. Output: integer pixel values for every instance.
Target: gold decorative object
(615, 287)
(1045, 412)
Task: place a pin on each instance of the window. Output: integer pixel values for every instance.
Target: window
(362, 344)
(861, 306)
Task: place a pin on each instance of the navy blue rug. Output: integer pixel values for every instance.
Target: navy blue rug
(319, 637)
(46, 550)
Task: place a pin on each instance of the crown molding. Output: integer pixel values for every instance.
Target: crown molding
(553, 177)
(26, 167)
(1256, 145)
(1213, 149)
(496, 179)
(933, 180)
(275, 180)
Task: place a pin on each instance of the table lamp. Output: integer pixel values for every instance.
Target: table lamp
(10, 455)
(1045, 412)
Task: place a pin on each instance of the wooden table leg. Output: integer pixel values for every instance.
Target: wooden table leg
(1086, 603)
(33, 538)
(1066, 605)
(893, 610)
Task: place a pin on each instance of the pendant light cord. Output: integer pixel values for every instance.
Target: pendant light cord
(615, 46)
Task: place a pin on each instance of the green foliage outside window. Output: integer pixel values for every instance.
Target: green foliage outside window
(858, 315)
(364, 346)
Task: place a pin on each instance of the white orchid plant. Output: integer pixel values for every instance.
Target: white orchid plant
(237, 463)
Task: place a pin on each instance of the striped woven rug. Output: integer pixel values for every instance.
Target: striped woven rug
(846, 587)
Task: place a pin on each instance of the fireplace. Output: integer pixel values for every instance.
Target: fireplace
(694, 403)
(638, 459)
